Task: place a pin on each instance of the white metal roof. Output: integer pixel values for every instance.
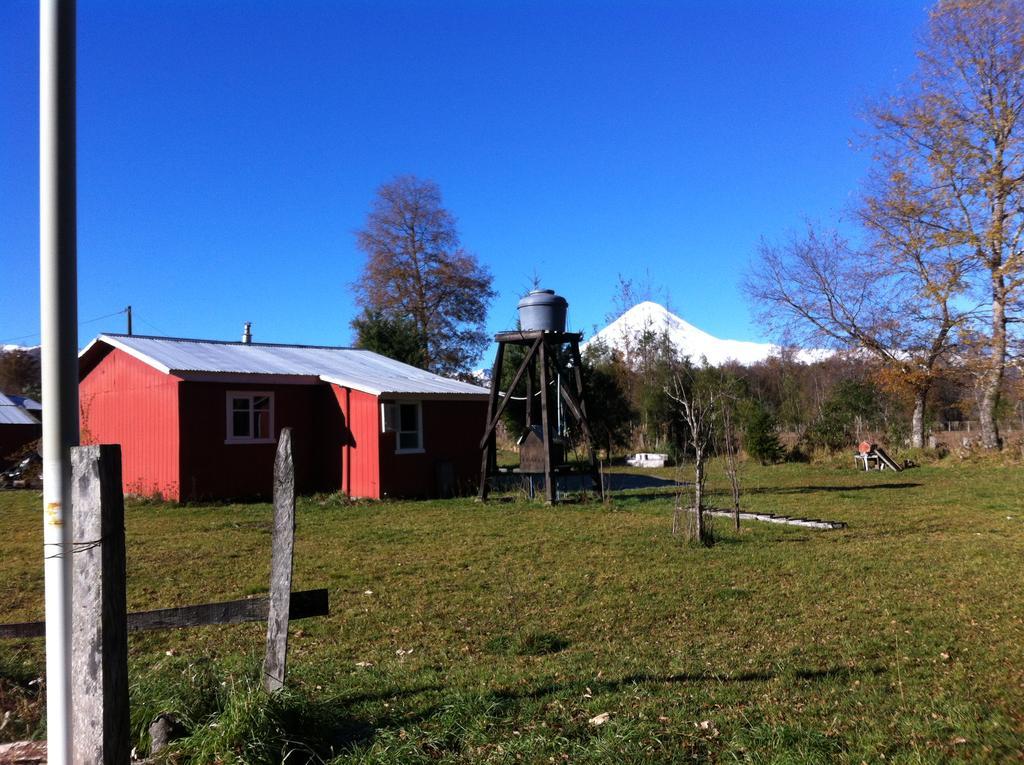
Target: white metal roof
(349, 367)
(25, 402)
(13, 410)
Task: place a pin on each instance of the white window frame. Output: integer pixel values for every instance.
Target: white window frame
(391, 422)
(229, 416)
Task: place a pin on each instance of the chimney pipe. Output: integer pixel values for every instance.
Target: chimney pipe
(247, 333)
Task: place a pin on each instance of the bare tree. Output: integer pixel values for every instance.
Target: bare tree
(416, 270)
(929, 281)
(898, 300)
(700, 404)
(957, 136)
(730, 447)
(631, 292)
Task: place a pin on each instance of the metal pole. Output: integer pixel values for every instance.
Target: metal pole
(128, 311)
(58, 291)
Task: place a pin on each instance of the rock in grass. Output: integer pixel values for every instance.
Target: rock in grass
(23, 753)
(164, 729)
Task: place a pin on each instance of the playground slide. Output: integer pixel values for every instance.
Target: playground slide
(888, 461)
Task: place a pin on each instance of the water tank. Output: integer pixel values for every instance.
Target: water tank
(544, 310)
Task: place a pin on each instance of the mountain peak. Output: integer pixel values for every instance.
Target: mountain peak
(12, 348)
(690, 341)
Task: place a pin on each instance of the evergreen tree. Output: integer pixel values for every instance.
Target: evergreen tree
(395, 338)
(760, 438)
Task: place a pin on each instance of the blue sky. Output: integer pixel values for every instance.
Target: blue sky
(228, 150)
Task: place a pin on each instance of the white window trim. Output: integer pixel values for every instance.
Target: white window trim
(419, 427)
(229, 416)
(388, 416)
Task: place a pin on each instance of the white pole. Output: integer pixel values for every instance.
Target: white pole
(58, 293)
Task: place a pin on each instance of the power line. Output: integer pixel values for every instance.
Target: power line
(100, 318)
(80, 324)
(22, 337)
(150, 325)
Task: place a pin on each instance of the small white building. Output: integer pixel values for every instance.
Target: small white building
(647, 460)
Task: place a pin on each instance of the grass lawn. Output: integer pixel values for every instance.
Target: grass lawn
(497, 633)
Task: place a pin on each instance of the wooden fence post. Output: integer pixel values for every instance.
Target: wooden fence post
(99, 628)
(281, 555)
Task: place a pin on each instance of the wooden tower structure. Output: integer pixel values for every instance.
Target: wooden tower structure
(551, 371)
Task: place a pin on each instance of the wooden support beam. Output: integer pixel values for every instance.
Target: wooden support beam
(541, 359)
(302, 605)
(275, 663)
(575, 406)
(577, 368)
(524, 337)
(488, 445)
(493, 422)
(99, 626)
(530, 373)
(549, 478)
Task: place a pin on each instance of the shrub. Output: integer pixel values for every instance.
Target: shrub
(760, 438)
(849, 402)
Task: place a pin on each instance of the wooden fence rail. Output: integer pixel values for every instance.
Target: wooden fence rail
(303, 605)
(100, 619)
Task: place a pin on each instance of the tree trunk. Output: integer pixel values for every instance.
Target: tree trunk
(732, 468)
(993, 376)
(735, 499)
(917, 422)
(698, 494)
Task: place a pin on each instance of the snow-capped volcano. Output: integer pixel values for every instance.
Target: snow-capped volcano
(688, 340)
(32, 350)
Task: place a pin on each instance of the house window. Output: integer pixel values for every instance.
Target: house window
(250, 417)
(405, 420)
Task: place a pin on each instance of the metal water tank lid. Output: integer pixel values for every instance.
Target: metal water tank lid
(542, 310)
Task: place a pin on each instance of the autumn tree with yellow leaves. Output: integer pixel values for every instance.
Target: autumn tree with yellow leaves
(942, 258)
(954, 145)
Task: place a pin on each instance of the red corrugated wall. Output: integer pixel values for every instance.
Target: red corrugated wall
(451, 434)
(360, 467)
(123, 401)
(173, 432)
(211, 468)
(330, 436)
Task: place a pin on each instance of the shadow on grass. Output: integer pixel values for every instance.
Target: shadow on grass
(627, 681)
(631, 481)
(329, 728)
(836, 673)
(647, 678)
(814, 489)
(656, 487)
(629, 488)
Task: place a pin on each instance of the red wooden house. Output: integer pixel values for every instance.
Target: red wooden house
(199, 419)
